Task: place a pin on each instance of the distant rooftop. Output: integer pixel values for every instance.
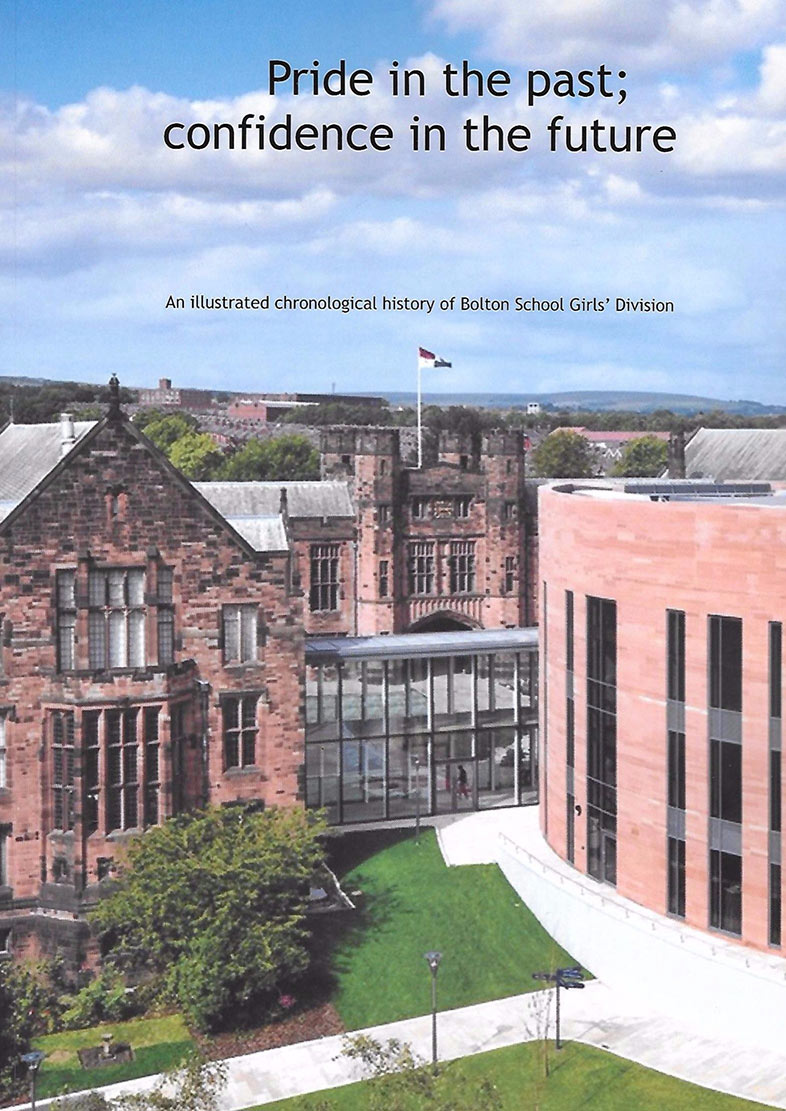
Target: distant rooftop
(737, 454)
(263, 499)
(28, 452)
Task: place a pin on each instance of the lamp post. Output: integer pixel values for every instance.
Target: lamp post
(417, 800)
(433, 957)
(561, 978)
(33, 1061)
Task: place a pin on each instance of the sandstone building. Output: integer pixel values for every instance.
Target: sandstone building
(151, 660)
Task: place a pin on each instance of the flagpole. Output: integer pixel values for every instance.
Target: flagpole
(420, 418)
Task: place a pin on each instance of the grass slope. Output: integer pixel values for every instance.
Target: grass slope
(158, 1043)
(581, 1077)
(412, 902)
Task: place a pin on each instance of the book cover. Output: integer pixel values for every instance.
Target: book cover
(441, 196)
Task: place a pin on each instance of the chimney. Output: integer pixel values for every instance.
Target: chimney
(677, 454)
(67, 433)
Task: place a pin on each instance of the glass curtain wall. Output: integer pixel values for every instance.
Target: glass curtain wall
(426, 734)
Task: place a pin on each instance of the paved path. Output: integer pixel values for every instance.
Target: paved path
(597, 1016)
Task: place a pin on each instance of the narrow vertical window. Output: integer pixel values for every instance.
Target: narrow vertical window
(776, 648)
(66, 619)
(165, 617)
(726, 891)
(775, 790)
(676, 770)
(62, 722)
(92, 768)
(676, 877)
(775, 905)
(122, 769)
(384, 583)
(152, 765)
(675, 636)
(726, 663)
(510, 574)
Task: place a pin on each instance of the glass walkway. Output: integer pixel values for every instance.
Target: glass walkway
(422, 723)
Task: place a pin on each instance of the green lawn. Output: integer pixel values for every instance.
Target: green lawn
(581, 1077)
(158, 1043)
(412, 902)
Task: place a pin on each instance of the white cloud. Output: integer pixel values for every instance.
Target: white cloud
(646, 34)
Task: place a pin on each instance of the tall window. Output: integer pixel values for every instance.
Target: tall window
(421, 568)
(420, 508)
(675, 637)
(240, 633)
(510, 574)
(3, 753)
(509, 511)
(726, 663)
(62, 723)
(462, 505)
(776, 637)
(676, 775)
(676, 876)
(323, 594)
(726, 780)
(152, 765)
(726, 891)
(5, 831)
(122, 770)
(461, 562)
(66, 619)
(165, 617)
(775, 904)
(384, 578)
(240, 730)
(602, 739)
(91, 740)
(116, 620)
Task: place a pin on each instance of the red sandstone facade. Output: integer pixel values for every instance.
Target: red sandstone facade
(151, 662)
(632, 560)
(450, 545)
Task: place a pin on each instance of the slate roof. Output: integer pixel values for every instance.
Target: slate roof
(737, 454)
(28, 452)
(263, 499)
(264, 534)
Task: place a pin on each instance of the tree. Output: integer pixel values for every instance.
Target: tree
(645, 457)
(166, 430)
(401, 1081)
(280, 459)
(196, 455)
(214, 905)
(564, 454)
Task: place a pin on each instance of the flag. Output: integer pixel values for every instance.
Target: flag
(429, 359)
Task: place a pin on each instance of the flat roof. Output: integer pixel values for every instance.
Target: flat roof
(406, 645)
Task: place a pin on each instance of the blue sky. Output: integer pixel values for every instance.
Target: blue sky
(101, 223)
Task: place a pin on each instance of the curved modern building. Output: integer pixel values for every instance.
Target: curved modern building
(662, 617)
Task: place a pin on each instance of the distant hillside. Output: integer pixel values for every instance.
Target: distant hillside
(632, 401)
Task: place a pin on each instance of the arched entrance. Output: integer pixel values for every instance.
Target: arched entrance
(444, 621)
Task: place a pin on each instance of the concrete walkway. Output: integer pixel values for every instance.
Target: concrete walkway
(597, 1016)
